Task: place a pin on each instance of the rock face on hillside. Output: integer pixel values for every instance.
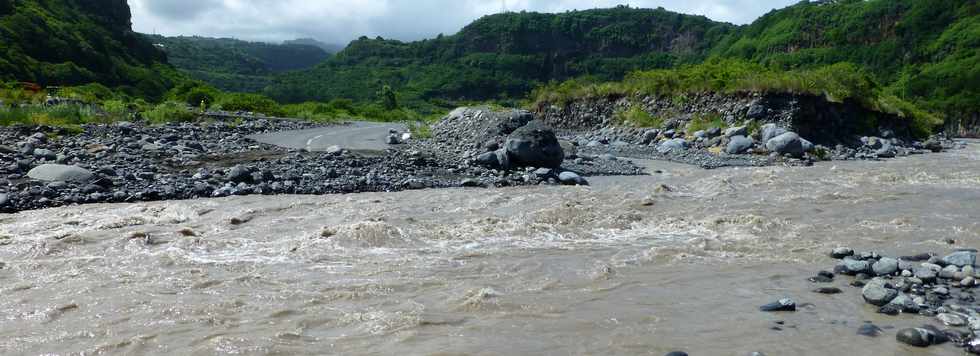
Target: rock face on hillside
(742, 129)
(812, 117)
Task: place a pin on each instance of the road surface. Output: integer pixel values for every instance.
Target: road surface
(356, 136)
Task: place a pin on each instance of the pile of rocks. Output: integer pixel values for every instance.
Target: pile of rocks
(126, 162)
(928, 285)
(594, 124)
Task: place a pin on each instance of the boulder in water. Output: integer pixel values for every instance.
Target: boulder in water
(570, 178)
(534, 145)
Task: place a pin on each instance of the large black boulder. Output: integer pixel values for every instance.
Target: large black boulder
(534, 145)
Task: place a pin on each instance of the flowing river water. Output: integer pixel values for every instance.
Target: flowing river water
(678, 260)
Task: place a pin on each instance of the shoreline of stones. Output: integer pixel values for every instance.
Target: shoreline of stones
(925, 284)
(736, 147)
(43, 167)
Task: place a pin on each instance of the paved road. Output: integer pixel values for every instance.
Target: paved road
(357, 136)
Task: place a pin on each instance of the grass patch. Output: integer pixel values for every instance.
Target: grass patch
(702, 122)
(420, 130)
(170, 111)
(838, 83)
(638, 117)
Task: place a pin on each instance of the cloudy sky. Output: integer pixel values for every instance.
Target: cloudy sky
(339, 21)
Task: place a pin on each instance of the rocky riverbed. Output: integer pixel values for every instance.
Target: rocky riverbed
(127, 162)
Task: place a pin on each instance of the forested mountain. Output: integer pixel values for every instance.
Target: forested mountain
(925, 51)
(236, 65)
(71, 42)
(507, 55)
(327, 47)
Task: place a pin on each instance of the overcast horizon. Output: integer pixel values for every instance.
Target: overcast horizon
(339, 21)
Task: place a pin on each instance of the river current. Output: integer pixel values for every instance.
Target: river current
(677, 260)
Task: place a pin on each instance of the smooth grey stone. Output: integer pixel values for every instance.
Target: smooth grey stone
(878, 292)
(885, 266)
(961, 258)
(60, 172)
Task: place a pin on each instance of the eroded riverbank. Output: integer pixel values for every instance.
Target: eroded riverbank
(679, 260)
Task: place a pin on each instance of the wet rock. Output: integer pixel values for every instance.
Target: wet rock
(878, 292)
(885, 266)
(738, 145)
(918, 337)
(853, 267)
(927, 275)
(828, 290)
(948, 272)
(786, 144)
(535, 145)
(841, 252)
(961, 258)
(933, 145)
(676, 353)
(785, 304)
(951, 319)
(869, 330)
(59, 172)
(822, 277)
(570, 178)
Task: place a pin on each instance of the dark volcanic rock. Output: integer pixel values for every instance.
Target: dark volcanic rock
(534, 145)
(785, 304)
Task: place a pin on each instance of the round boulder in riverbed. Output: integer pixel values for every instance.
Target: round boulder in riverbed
(786, 144)
(885, 266)
(535, 145)
(841, 252)
(920, 337)
(878, 292)
(62, 173)
(738, 145)
(677, 144)
(570, 178)
(962, 258)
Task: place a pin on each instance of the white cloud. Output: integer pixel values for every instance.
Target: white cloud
(339, 21)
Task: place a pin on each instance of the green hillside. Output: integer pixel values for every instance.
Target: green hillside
(235, 65)
(73, 42)
(505, 56)
(924, 51)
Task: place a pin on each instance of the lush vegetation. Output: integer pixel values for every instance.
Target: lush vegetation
(914, 58)
(236, 65)
(926, 52)
(503, 57)
(839, 82)
(58, 43)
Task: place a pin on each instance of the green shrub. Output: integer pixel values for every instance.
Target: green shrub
(170, 111)
(250, 102)
(703, 122)
(638, 117)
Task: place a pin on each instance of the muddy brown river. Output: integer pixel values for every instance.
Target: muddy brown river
(679, 260)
